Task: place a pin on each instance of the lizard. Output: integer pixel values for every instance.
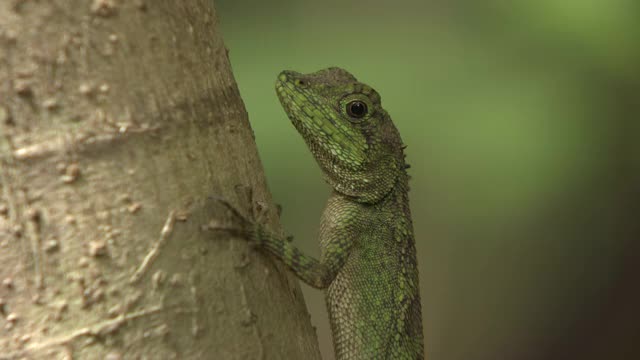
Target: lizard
(368, 266)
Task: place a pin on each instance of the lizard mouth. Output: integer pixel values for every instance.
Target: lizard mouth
(315, 119)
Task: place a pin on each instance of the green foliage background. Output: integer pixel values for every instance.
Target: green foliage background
(521, 128)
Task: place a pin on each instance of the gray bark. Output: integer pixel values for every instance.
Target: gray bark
(120, 125)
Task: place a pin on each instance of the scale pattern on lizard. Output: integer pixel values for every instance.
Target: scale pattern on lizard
(368, 264)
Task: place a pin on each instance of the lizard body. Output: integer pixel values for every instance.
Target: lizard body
(368, 264)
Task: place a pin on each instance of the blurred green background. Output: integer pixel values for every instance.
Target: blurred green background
(521, 121)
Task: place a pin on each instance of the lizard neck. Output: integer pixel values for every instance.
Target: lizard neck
(392, 183)
(374, 184)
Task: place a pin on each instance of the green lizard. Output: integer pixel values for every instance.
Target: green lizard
(368, 263)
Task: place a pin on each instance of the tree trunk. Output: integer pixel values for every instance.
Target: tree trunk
(120, 127)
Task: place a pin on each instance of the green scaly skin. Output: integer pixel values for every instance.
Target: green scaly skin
(368, 263)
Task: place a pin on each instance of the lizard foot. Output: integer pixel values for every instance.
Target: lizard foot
(244, 226)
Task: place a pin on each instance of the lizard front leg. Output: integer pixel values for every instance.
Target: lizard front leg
(314, 272)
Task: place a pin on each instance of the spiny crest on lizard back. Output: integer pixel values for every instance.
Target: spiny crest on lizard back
(347, 130)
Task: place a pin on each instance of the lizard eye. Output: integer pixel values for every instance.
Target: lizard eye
(357, 109)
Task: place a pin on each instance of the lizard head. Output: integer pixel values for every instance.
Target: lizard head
(347, 130)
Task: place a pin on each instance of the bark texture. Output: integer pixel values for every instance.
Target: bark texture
(120, 125)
